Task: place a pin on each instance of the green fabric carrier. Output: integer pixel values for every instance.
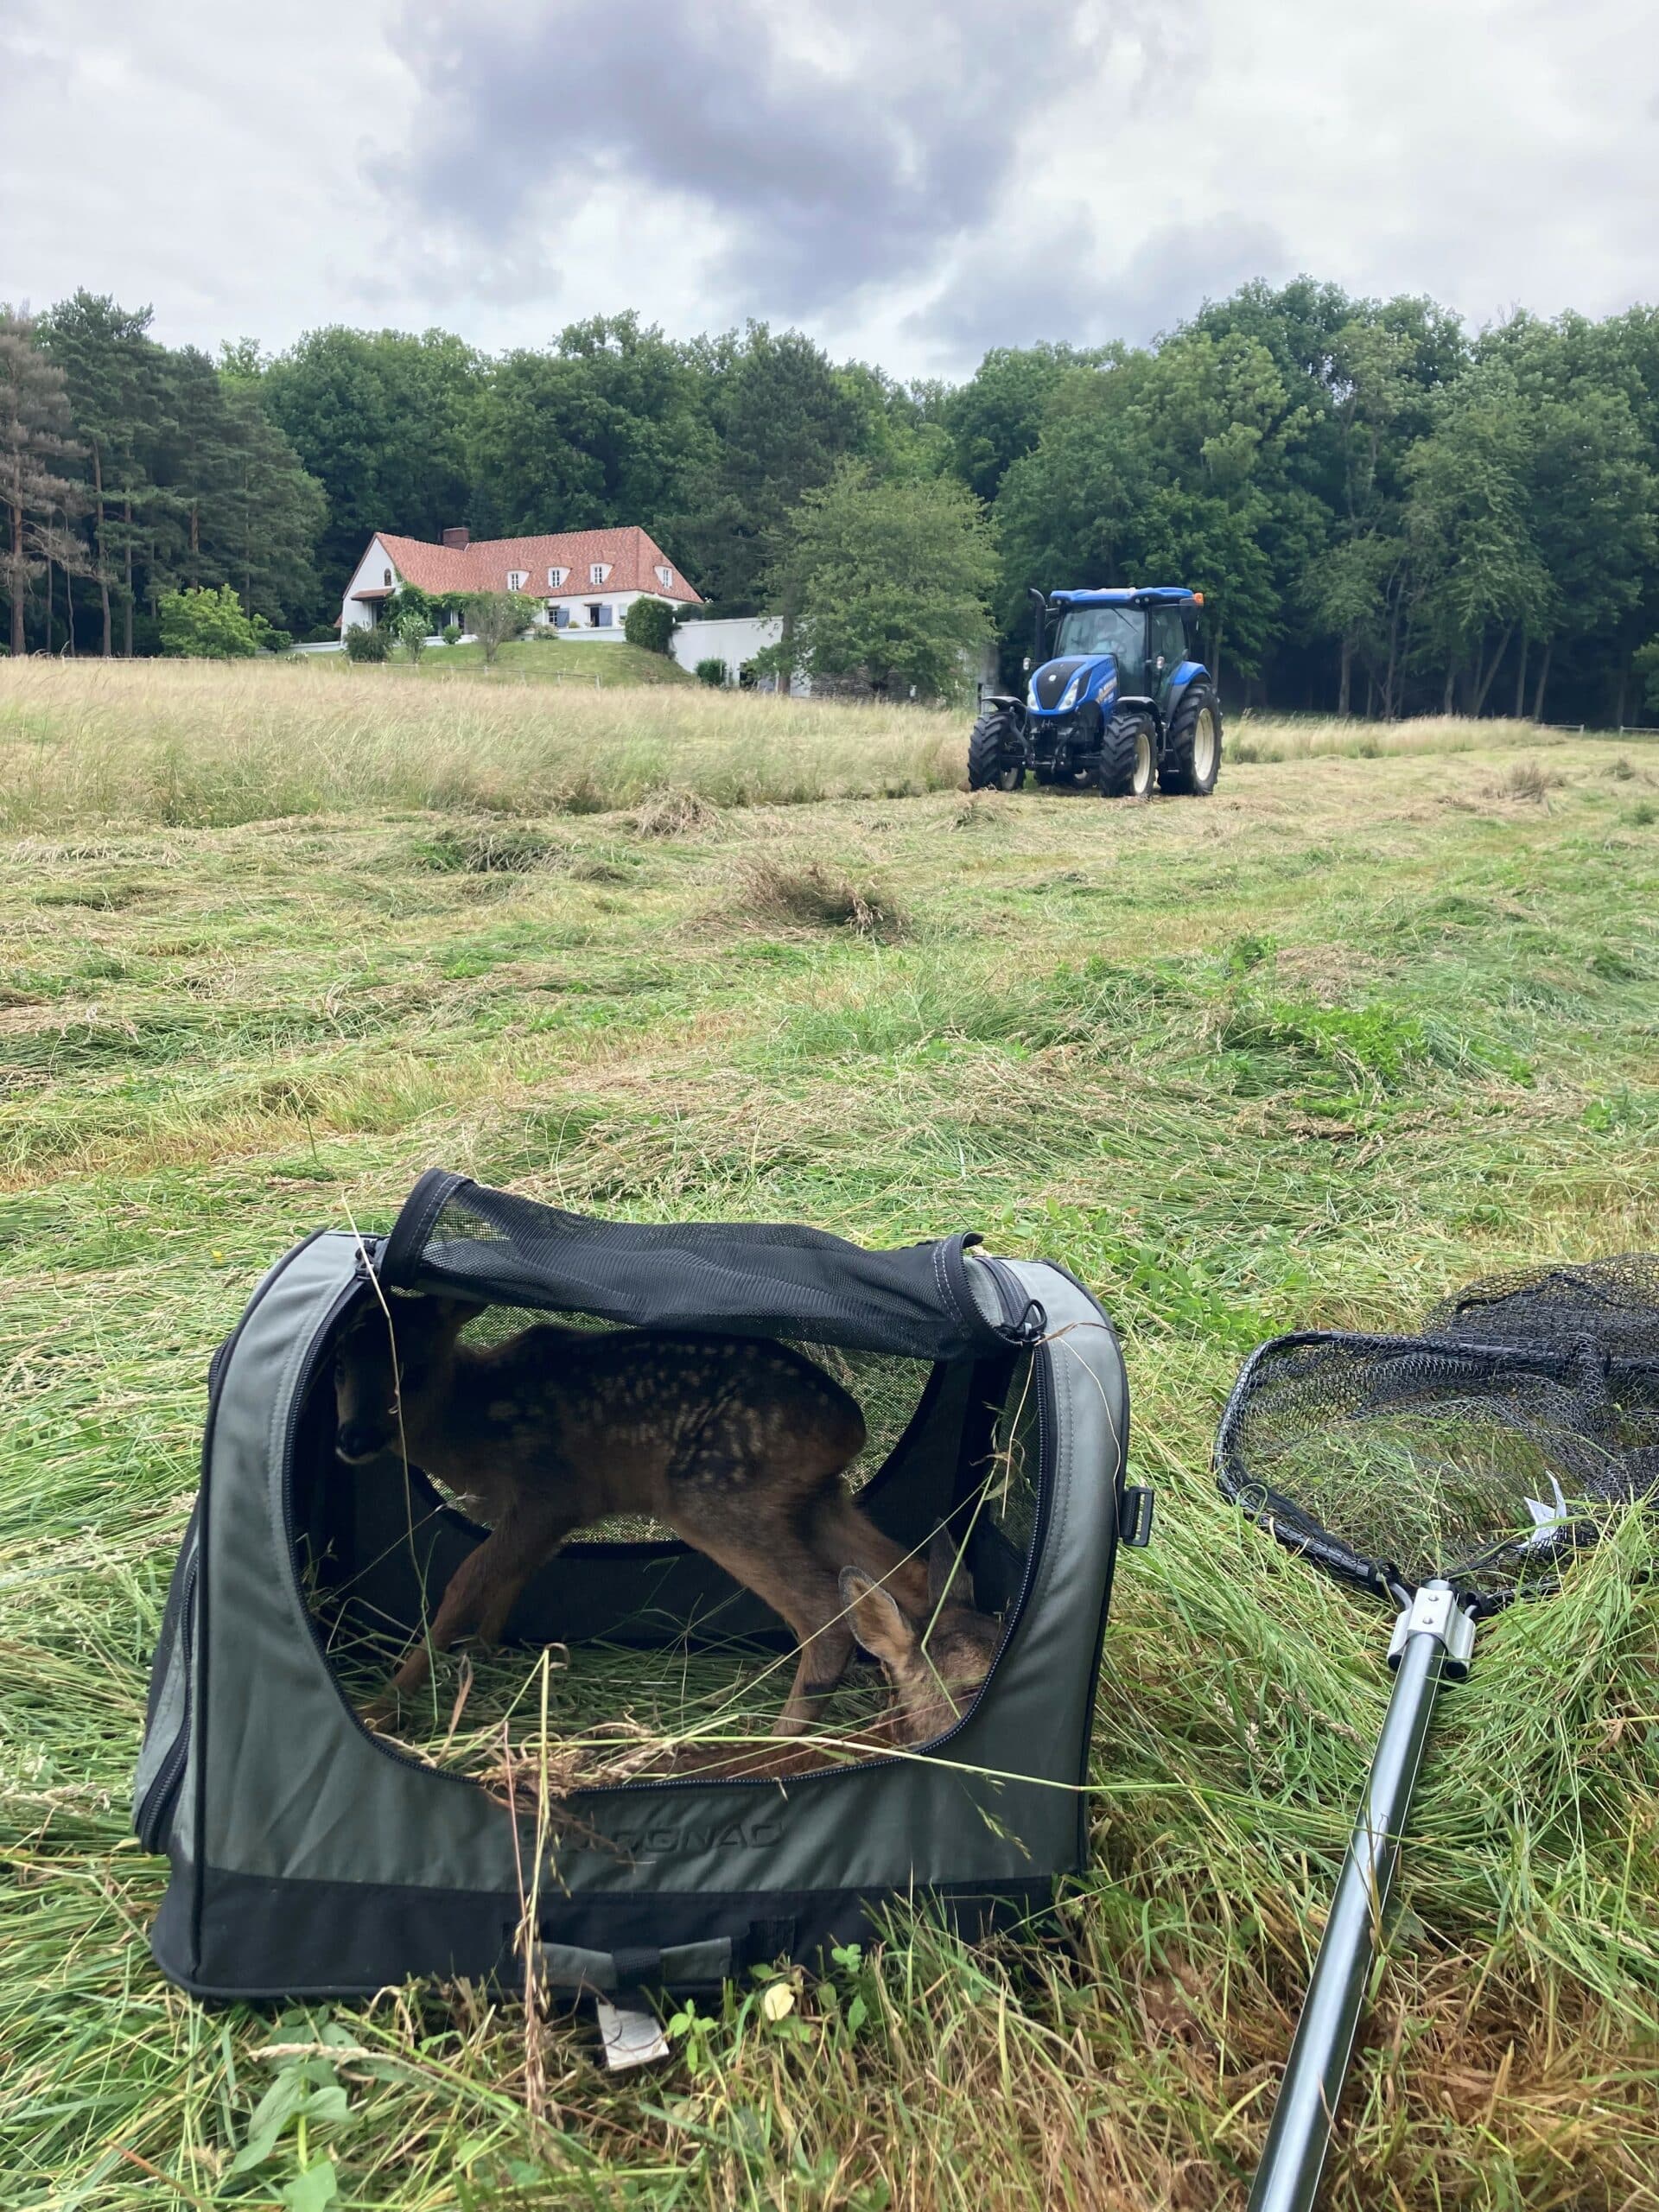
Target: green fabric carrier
(311, 1859)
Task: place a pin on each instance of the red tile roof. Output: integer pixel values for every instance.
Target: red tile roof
(632, 556)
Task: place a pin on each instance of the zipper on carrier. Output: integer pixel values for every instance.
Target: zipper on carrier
(154, 1812)
(306, 1375)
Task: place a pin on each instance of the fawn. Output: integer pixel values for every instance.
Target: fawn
(738, 1445)
(933, 1675)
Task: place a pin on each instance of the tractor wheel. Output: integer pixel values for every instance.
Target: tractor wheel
(1192, 757)
(995, 755)
(1129, 757)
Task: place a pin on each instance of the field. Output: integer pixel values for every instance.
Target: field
(1378, 1016)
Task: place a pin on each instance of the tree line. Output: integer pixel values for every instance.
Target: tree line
(1386, 513)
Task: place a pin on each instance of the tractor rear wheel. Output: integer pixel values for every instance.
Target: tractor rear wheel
(1192, 757)
(1129, 757)
(995, 756)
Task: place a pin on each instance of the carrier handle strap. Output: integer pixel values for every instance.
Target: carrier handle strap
(569, 1967)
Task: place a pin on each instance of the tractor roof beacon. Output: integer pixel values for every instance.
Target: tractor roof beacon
(1114, 701)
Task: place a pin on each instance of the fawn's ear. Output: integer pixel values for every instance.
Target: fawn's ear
(947, 1580)
(875, 1619)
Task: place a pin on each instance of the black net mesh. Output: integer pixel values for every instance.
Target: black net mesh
(653, 1645)
(923, 1301)
(1485, 1450)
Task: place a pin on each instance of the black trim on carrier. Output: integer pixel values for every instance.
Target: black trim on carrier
(302, 1939)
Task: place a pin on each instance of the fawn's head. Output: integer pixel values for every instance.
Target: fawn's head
(390, 1369)
(933, 1682)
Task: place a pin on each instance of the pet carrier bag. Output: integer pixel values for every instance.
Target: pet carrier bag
(312, 1858)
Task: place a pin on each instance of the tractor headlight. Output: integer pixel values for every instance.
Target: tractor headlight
(1074, 691)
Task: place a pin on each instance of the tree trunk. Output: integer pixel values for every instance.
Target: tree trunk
(1391, 704)
(1521, 678)
(1346, 684)
(1543, 678)
(1370, 694)
(69, 610)
(103, 565)
(17, 645)
(785, 652)
(1484, 674)
(1624, 687)
(126, 610)
(1451, 681)
(195, 546)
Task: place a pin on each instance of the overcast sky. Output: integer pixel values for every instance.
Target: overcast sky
(911, 181)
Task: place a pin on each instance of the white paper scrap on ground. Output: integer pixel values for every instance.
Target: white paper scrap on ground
(630, 2037)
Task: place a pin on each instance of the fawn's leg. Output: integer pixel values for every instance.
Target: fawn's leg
(484, 1589)
(750, 1499)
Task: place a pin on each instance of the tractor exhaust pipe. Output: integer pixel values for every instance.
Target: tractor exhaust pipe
(1039, 627)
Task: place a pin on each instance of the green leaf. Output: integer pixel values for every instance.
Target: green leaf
(314, 2190)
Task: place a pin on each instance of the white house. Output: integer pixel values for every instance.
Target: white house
(734, 639)
(584, 582)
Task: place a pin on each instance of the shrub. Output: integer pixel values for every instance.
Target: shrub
(497, 617)
(712, 672)
(649, 623)
(368, 645)
(452, 634)
(209, 625)
(411, 629)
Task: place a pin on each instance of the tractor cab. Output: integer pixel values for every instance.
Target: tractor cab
(1114, 698)
(1131, 644)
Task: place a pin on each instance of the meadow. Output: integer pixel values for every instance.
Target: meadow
(1379, 1016)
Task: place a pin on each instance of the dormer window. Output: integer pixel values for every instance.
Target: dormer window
(555, 577)
(665, 577)
(516, 579)
(598, 573)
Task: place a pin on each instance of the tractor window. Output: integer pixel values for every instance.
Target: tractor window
(1167, 636)
(1119, 630)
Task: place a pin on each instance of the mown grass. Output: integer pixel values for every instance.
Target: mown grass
(1313, 1050)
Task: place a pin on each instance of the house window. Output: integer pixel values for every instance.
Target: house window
(560, 614)
(388, 576)
(594, 611)
(556, 576)
(665, 577)
(516, 579)
(598, 573)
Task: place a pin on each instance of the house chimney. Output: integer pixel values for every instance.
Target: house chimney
(458, 540)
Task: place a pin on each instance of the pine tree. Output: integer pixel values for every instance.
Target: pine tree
(108, 360)
(36, 440)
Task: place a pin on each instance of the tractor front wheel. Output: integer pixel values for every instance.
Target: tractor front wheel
(995, 756)
(1129, 757)
(1192, 757)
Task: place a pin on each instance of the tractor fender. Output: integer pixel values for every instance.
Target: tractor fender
(1187, 673)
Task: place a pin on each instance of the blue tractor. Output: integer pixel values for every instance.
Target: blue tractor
(1115, 702)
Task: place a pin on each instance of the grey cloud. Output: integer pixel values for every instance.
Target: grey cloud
(1070, 286)
(828, 147)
